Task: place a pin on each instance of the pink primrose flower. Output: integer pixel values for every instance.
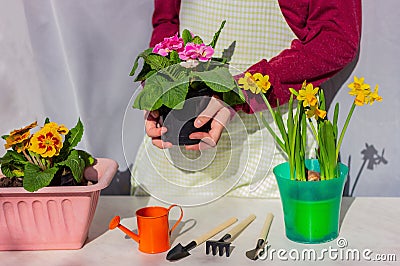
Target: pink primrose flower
(201, 52)
(173, 43)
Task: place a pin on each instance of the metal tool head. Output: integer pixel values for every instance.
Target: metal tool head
(257, 251)
(177, 253)
(218, 246)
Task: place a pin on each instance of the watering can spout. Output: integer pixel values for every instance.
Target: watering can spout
(115, 222)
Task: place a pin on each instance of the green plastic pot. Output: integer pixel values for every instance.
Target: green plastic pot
(311, 209)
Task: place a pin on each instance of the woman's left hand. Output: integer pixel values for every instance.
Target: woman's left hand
(220, 115)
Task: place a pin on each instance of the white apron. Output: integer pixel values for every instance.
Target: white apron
(241, 164)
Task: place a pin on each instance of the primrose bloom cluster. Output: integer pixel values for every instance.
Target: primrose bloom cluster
(188, 52)
(47, 142)
(168, 45)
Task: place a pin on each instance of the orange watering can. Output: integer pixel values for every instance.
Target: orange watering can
(153, 228)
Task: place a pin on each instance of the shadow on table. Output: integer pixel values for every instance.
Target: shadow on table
(345, 206)
(107, 209)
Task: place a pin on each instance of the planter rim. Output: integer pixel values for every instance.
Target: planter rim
(343, 168)
(102, 171)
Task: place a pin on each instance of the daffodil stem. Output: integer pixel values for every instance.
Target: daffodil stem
(346, 124)
(313, 130)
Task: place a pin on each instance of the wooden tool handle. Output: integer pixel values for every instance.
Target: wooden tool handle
(215, 231)
(238, 228)
(267, 226)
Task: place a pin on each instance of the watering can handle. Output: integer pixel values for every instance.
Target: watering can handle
(180, 217)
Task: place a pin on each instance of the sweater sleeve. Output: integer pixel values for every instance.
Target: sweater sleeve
(328, 36)
(165, 20)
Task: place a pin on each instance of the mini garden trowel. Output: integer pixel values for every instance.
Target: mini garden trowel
(179, 251)
(262, 240)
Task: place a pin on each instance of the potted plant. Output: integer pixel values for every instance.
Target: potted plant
(179, 75)
(310, 189)
(49, 189)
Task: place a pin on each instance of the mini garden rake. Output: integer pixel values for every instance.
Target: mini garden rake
(224, 243)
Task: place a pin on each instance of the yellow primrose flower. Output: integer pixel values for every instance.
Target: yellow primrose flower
(307, 94)
(374, 96)
(19, 138)
(19, 142)
(248, 83)
(60, 128)
(262, 82)
(314, 111)
(47, 142)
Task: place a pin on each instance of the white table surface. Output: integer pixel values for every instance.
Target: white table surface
(366, 223)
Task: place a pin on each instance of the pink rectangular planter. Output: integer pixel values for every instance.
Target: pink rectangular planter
(52, 217)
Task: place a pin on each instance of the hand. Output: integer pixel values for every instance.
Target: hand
(154, 130)
(220, 115)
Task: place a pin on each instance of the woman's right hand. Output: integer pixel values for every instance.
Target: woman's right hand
(154, 129)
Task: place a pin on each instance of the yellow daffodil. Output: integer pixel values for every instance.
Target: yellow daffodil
(19, 138)
(248, 82)
(314, 111)
(361, 99)
(358, 86)
(47, 142)
(256, 83)
(374, 96)
(262, 82)
(61, 129)
(307, 94)
(361, 90)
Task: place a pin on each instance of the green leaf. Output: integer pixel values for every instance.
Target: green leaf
(233, 97)
(5, 136)
(157, 62)
(216, 35)
(218, 79)
(186, 36)
(47, 120)
(88, 159)
(174, 93)
(145, 73)
(72, 139)
(293, 91)
(76, 164)
(335, 120)
(272, 132)
(12, 163)
(150, 98)
(35, 179)
(228, 52)
(321, 100)
(13, 157)
(174, 57)
(143, 55)
(197, 40)
(7, 170)
(74, 136)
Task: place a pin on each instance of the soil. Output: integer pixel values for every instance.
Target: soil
(10, 182)
(59, 180)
